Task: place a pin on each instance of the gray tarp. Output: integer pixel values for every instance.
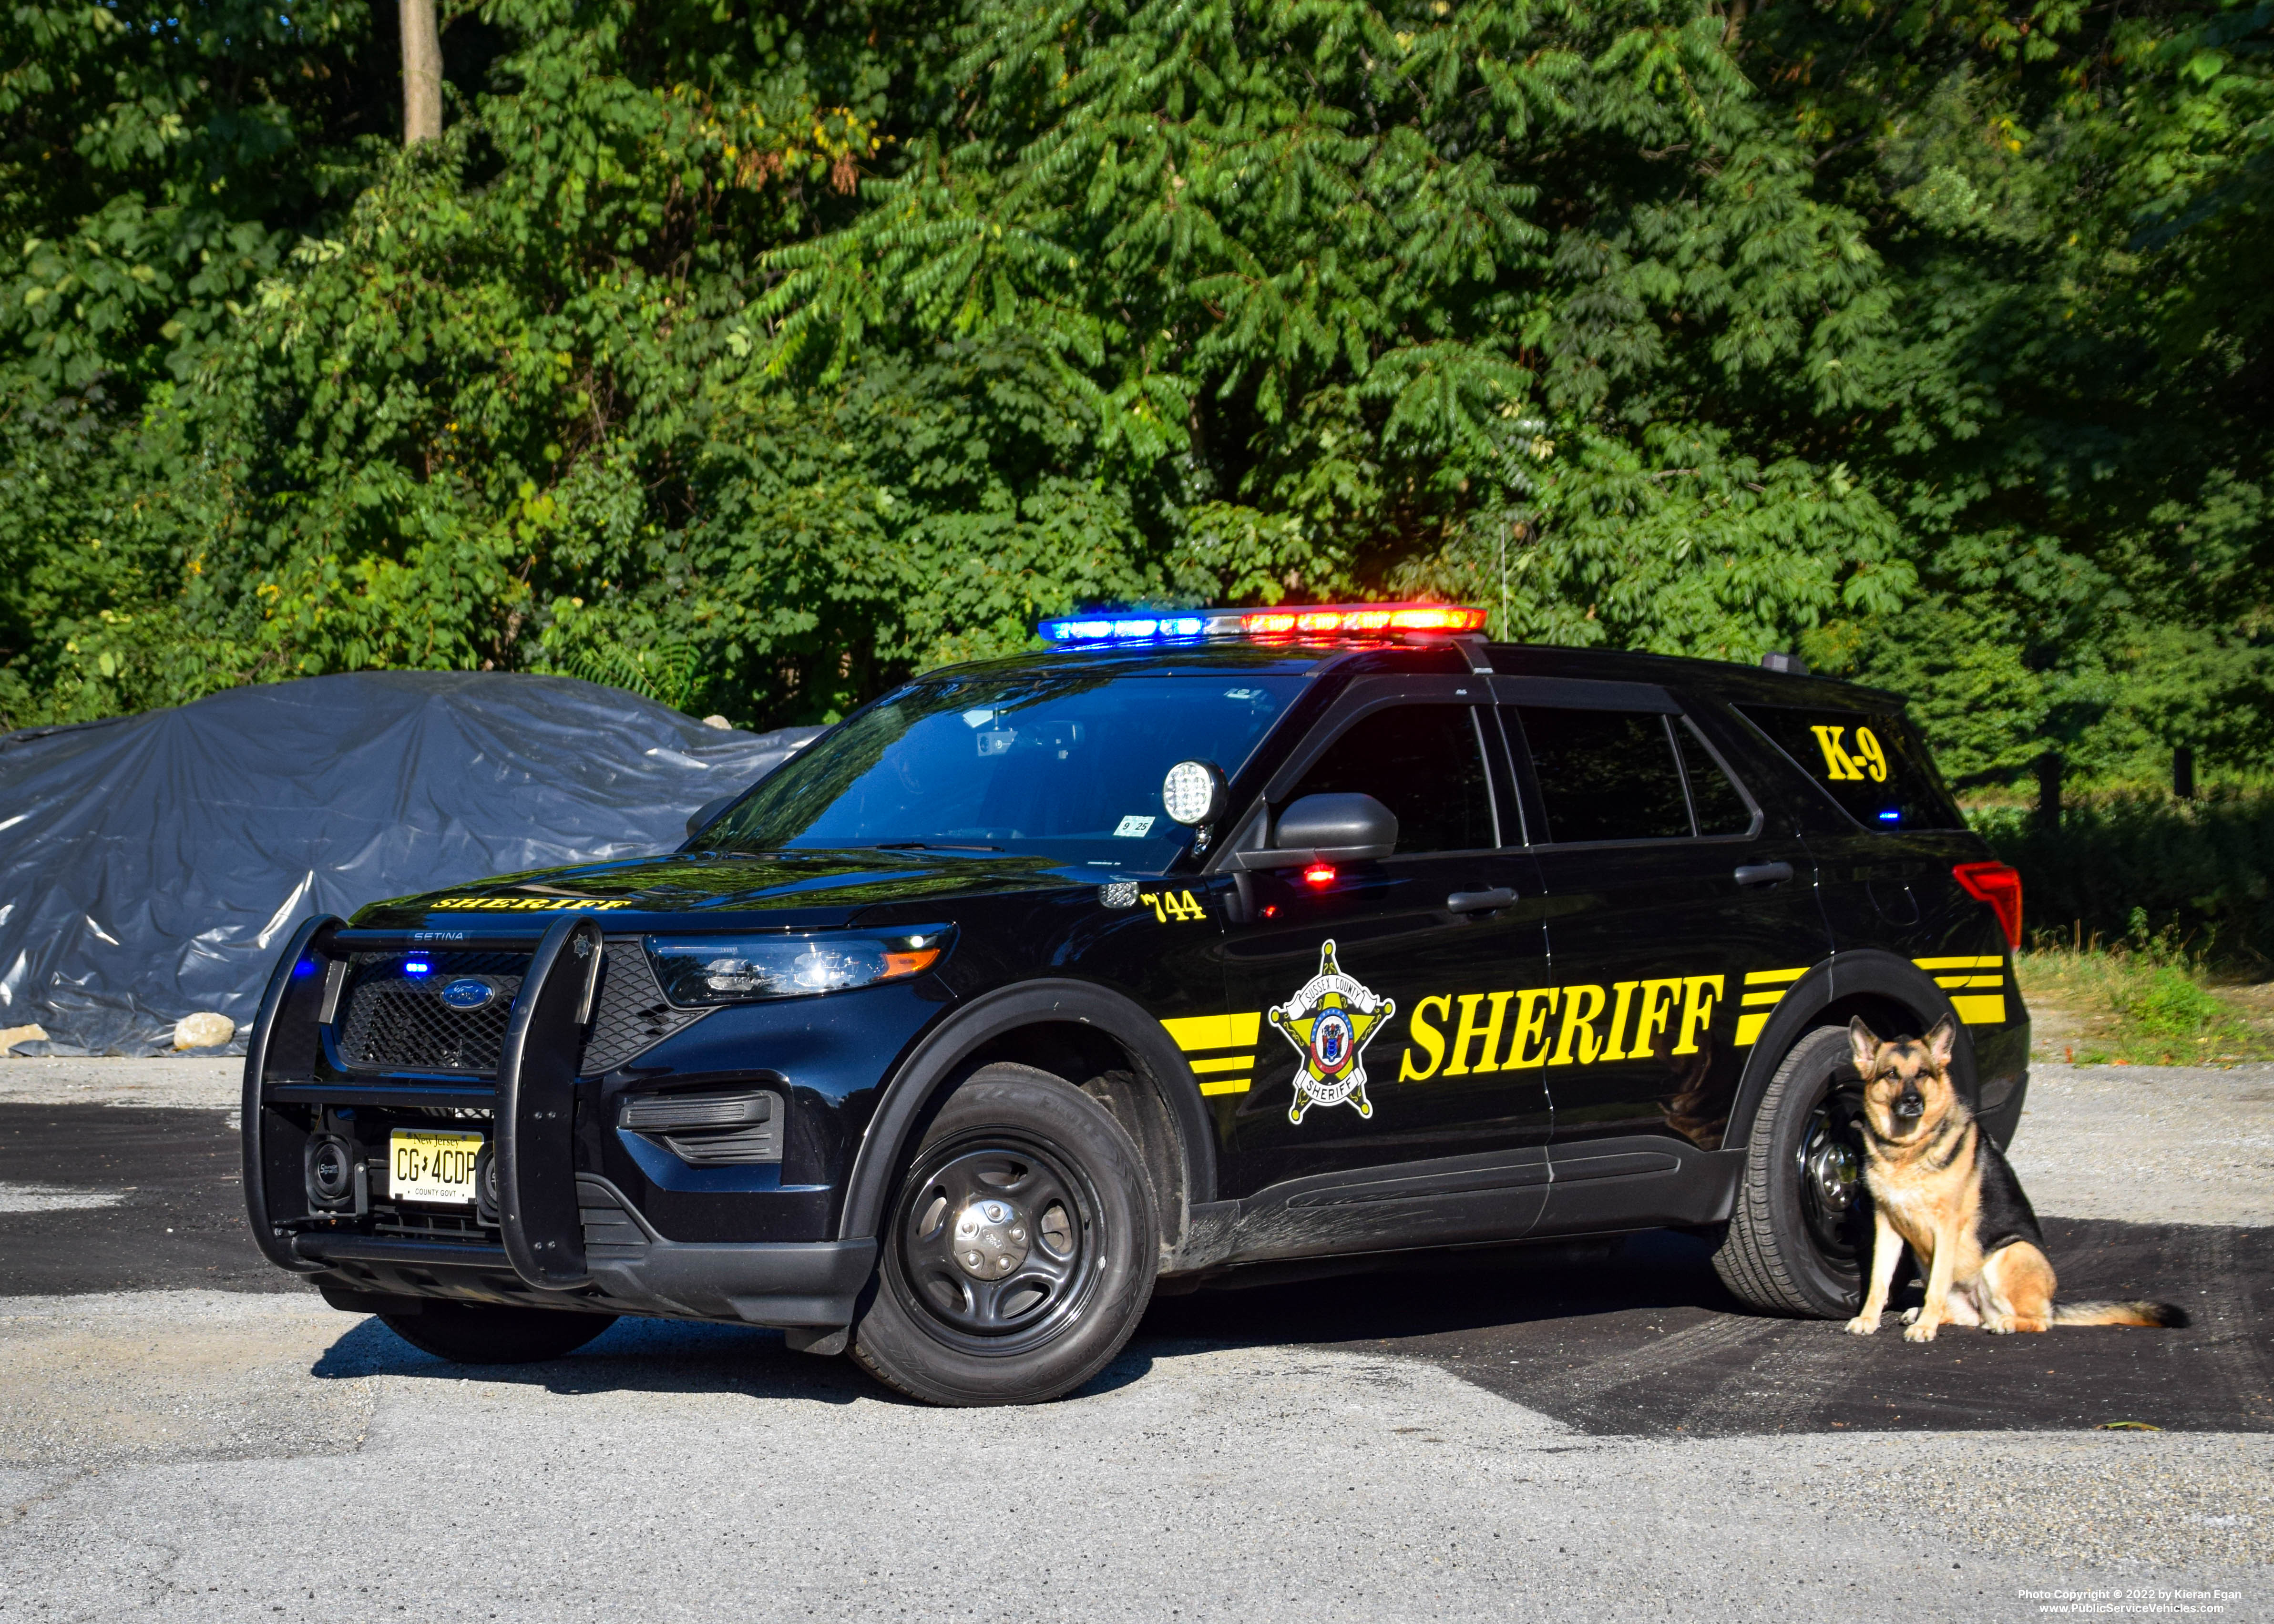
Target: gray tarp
(151, 866)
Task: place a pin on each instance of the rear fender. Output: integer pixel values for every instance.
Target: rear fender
(1893, 996)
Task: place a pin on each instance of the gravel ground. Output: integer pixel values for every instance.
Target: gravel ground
(2150, 1144)
(178, 1083)
(191, 1451)
(680, 1471)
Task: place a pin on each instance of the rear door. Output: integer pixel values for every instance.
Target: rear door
(1678, 909)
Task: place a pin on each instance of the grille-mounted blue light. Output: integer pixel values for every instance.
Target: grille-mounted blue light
(1891, 816)
(416, 966)
(1124, 629)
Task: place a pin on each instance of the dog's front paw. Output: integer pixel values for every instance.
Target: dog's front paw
(1921, 1332)
(1863, 1324)
(1910, 1316)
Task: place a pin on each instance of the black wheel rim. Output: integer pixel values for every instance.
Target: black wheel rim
(1834, 1205)
(996, 1243)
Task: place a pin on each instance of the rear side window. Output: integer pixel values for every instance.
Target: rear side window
(1868, 762)
(1719, 808)
(1604, 775)
(1620, 775)
(1426, 764)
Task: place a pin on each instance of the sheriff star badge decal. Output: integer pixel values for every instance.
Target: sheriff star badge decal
(1330, 1022)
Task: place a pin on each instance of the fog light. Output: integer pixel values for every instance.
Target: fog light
(331, 1173)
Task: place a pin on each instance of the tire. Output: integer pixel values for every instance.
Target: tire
(1019, 1251)
(1800, 1236)
(479, 1333)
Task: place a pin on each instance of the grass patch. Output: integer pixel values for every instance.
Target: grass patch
(2141, 1006)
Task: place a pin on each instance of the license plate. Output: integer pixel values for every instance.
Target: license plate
(432, 1165)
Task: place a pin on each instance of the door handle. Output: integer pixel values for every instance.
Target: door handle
(1763, 874)
(1479, 901)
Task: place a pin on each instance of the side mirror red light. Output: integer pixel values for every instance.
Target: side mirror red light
(1999, 886)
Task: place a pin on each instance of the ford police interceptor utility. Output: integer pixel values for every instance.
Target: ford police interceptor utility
(1200, 940)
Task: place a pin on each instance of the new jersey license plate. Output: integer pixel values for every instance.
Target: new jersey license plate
(432, 1164)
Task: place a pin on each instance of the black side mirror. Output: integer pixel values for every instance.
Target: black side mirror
(1343, 828)
(704, 813)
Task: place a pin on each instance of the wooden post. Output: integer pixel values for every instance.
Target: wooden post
(422, 74)
(2183, 773)
(2049, 791)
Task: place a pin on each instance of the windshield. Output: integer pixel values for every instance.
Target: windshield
(1065, 764)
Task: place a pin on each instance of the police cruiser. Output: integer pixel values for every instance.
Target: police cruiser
(1197, 941)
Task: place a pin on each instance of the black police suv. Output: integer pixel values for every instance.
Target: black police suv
(1194, 941)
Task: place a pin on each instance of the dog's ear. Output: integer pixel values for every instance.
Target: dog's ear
(1865, 1044)
(1940, 1042)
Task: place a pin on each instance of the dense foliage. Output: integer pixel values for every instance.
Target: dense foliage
(755, 358)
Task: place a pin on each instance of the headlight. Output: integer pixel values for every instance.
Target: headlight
(738, 969)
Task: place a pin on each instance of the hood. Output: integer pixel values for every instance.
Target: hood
(798, 888)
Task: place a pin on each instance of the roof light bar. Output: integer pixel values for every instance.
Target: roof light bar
(1096, 630)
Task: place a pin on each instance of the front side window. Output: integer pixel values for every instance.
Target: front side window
(1426, 764)
(1063, 764)
(1870, 763)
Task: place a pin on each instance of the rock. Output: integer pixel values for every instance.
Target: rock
(10, 1036)
(718, 722)
(203, 1031)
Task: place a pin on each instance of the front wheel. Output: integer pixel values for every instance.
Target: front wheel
(485, 1333)
(1801, 1232)
(1021, 1250)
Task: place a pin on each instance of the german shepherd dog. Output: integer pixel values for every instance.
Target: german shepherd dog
(1938, 1182)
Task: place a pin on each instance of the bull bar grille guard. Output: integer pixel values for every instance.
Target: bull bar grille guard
(532, 1100)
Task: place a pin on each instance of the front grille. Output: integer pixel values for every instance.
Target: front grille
(630, 1016)
(397, 1022)
(394, 1022)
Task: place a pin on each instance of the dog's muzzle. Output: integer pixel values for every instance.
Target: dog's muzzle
(1910, 1105)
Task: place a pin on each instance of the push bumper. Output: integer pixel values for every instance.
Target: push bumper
(569, 1239)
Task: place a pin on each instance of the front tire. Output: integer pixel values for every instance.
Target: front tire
(483, 1333)
(1020, 1249)
(1800, 1233)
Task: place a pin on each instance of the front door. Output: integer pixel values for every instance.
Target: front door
(1376, 1104)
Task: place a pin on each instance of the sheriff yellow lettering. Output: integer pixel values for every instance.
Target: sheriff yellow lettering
(1524, 1029)
(1427, 1037)
(1470, 1031)
(527, 905)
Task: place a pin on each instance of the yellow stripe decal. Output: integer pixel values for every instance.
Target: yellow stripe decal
(1193, 1032)
(1770, 996)
(1226, 1084)
(1969, 980)
(1987, 1009)
(1991, 961)
(1755, 977)
(1230, 1063)
(1750, 1025)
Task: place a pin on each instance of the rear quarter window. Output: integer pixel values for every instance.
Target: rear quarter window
(1869, 762)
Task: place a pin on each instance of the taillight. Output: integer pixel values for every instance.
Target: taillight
(2000, 887)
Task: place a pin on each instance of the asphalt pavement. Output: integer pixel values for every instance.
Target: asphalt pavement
(1529, 1432)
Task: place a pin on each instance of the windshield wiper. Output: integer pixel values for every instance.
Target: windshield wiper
(930, 846)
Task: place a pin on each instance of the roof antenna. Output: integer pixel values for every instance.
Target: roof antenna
(1790, 665)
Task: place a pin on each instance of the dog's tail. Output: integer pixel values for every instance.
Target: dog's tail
(2120, 1313)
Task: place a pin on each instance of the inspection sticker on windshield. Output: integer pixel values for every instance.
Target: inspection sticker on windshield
(1133, 827)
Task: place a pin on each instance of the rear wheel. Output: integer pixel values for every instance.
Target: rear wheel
(484, 1333)
(1801, 1234)
(1021, 1247)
